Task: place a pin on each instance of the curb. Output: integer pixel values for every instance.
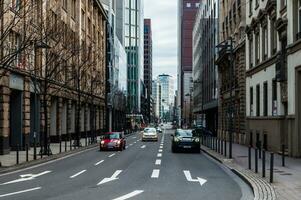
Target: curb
(261, 188)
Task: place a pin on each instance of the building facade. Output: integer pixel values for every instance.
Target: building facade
(52, 89)
(186, 13)
(133, 41)
(156, 91)
(231, 71)
(148, 65)
(206, 38)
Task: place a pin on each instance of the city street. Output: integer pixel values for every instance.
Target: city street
(145, 170)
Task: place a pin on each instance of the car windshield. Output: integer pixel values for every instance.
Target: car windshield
(149, 130)
(112, 136)
(184, 133)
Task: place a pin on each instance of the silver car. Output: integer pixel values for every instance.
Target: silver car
(149, 134)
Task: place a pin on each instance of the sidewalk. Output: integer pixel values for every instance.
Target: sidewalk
(287, 180)
(10, 159)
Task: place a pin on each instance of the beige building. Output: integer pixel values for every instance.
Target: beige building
(231, 70)
(53, 71)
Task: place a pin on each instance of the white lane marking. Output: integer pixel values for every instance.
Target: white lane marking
(111, 155)
(160, 150)
(158, 162)
(26, 177)
(112, 178)
(77, 174)
(134, 137)
(143, 146)
(98, 162)
(159, 155)
(198, 179)
(126, 146)
(138, 140)
(131, 144)
(129, 195)
(135, 142)
(156, 173)
(161, 147)
(19, 192)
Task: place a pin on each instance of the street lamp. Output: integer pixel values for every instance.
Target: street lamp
(226, 45)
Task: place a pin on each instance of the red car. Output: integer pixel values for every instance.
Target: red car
(112, 141)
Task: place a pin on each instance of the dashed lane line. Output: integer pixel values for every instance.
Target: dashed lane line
(143, 146)
(160, 150)
(19, 192)
(155, 173)
(158, 162)
(129, 195)
(111, 155)
(99, 162)
(159, 155)
(77, 174)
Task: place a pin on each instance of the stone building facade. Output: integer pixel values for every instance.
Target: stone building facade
(52, 63)
(231, 70)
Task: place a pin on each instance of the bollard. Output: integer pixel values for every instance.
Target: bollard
(70, 143)
(222, 147)
(26, 146)
(283, 155)
(256, 160)
(34, 147)
(218, 146)
(250, 157)
(48, 150)
(263, 163)
(225, 146)
(60, 143)
(65, 144)
(17, 154)
(259, 149)
(271, 168)
(41, 151)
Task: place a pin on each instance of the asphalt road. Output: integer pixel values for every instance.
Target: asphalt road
(145, 170)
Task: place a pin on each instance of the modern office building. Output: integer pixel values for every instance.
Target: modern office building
(167, 95)
(156, 91)
(148, 65)
(231, 71)
(205, 40)
(133, 41)
(187, 10)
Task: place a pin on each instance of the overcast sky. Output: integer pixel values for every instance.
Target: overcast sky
(163, 14)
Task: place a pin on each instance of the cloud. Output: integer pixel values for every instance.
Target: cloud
(163, 14)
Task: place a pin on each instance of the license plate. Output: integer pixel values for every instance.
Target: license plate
(186, 139)
(186, 147)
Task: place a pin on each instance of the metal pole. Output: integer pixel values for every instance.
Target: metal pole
(283, 155)
(60, 138)
(34, 146)
(256, 160)
(232, 99)
(263, 163)
(250, 157)
(26, 146)
(225, 147)
(17, 154)
(271, 168)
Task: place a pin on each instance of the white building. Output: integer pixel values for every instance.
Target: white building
(273, 75)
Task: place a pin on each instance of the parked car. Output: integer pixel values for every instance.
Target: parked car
(149, 134)
(185, 139)
(112, 141)
(202, 131)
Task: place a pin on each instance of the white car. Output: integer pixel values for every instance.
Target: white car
(149, 134)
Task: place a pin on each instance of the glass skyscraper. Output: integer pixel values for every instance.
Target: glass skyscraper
(133, 19)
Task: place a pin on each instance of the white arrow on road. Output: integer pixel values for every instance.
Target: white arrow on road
(26, 177)
(112, 178)
(198, 179)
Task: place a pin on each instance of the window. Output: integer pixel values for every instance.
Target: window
(251, 101)
(251, 51)
(73, 8)
(250, 7)
(257, 100)
(188, 5)
(65, 4)
(265, 99)
(257, 48)
(264, 43)
(283, 4)
(273, 36)
(83, 20)
(197, 5)
(274, 97)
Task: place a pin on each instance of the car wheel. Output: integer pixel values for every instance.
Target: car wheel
(124, 146)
